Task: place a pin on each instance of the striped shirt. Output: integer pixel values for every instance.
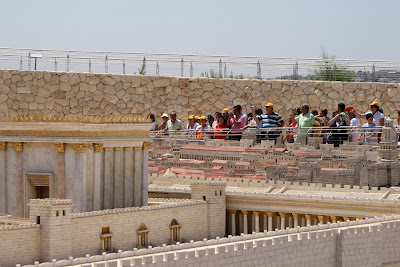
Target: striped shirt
(273, 120)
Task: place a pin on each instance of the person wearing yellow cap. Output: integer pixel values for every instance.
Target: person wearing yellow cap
(203, 130)
(269, 121)
(191, 126)
(225, 113)
(379, 118)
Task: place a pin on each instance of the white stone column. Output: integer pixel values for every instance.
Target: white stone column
(80, 177)
(128, 178)
(321, 219)
(3, 177)
(257, 221)
(296, 220)
(308, 219)
(315, 220)
(118, 178)
(137, 195)
(278, 221)
(245, 226)
(108, 197)
(19, 211)
(60, 170)
(233, 221)
(265, 221)
(270, 214)
(283, 216)
(145, 174)
(97, 149)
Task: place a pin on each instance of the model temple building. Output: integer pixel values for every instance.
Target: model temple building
(75, 192)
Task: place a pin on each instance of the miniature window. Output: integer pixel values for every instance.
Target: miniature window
(64, 212)
(38, 219)
(204, 197)
(175, 231)
(105, 237)
(57, 213)
(143, 235)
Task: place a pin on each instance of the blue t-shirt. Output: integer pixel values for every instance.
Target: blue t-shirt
(369, 132)
(269, 121)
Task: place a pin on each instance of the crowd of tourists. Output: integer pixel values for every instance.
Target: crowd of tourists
(343, 125)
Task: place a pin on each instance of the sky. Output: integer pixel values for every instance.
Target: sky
(363, 29)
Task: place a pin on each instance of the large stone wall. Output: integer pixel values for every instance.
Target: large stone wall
(358, 243)
(30, 92)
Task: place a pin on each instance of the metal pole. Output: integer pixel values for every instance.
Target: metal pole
(258, 70)
(225, 71)
(373, 73)
(55, 64)
(20, 64)
(90, 65)
(35, 62)
(191, 69)
(29, 60)
(123, 66)
(68, 62)
(106, 64)
(157, 69)
(182, 67)
(220, 69)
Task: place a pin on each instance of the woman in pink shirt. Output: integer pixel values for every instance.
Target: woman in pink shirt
(237, 121)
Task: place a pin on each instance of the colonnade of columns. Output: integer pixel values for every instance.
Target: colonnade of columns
(245, 221)
(93, 176)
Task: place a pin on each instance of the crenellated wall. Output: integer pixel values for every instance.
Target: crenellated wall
(369, 242)
(30, 92)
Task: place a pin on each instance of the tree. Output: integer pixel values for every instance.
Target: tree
(328, 69)
(142, 70)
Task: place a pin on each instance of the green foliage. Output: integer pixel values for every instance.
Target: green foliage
(142, 70)
(214, 74)
(328, 69)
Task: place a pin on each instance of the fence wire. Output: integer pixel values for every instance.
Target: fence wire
(192, 65)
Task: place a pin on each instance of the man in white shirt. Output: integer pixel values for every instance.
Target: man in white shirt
(174, 124)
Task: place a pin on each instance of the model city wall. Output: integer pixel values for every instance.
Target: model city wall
(61, 93)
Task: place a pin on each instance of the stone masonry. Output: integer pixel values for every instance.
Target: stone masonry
(60, 93)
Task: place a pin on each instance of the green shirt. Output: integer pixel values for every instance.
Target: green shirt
(305, 120)
(345, 114)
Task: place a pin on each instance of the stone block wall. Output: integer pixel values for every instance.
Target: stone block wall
(123, 226)
(371, 242)
(30, 92)
(20, 244)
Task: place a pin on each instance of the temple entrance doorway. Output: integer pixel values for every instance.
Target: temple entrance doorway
(37, 185)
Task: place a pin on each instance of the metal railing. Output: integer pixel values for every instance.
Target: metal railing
(192, 65)
(280, 134)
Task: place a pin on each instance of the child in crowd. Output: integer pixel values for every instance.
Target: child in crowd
(370, 135)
